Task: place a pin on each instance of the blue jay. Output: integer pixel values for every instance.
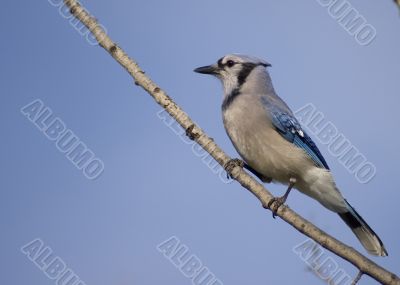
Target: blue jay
(273, 145)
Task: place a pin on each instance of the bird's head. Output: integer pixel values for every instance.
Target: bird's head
(233, 69)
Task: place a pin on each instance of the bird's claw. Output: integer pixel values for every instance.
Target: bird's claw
(231, 164)
(275, 203)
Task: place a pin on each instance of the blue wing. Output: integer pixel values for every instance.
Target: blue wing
(288, 126)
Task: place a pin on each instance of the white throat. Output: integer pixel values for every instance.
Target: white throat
(230, 83)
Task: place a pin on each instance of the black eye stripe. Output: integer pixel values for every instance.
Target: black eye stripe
(228, 63)
(220, 64)
(246, 69)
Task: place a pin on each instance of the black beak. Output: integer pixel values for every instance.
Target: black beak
(209, 69)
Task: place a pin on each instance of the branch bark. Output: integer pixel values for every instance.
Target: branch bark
(364, 264)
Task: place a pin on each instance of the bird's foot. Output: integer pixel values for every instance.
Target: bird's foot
(275, 203)
(231, 164)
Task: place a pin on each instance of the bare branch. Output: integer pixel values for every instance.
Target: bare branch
(364, 264)
(358, 277)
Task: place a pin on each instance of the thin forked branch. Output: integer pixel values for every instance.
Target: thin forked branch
(357, 278)
(363, 264)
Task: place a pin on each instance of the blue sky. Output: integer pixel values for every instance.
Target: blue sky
(154, 186)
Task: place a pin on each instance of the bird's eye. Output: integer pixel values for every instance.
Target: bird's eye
(230, 63)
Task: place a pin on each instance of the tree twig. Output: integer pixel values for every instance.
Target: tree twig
(364, 264)
(397, 3)
(357, 278)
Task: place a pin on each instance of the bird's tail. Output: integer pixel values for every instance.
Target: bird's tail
(368, 238)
